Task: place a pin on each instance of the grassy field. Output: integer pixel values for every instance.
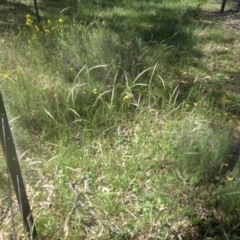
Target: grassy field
(126, 118)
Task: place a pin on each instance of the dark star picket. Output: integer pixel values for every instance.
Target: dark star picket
(224, 3)
(14, 170)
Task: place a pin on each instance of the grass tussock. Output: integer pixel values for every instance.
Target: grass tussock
(126, 119)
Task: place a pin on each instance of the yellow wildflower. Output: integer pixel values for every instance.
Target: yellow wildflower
(60, 20)
(34, 37)
(29, 21)
(47, 31)
(126, 97)
(37, 28)
(2, 40)
(225, 99)
(229, 178)
(195, 104)
(49, 21)
(187, 105)
(95, 91)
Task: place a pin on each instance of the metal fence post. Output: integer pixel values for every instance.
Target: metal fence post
(15, 172)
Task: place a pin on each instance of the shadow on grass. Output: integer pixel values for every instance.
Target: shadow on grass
(153, 26)
(13, 15)
(152, 22)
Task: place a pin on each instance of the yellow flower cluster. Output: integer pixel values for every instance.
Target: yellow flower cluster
(34, 37)
(32, 31)
(12, 75)
(47, 31)
(29, 20)
(188, 105)
(95, 91)
(37, 28)
(229, 178)
(224, 99)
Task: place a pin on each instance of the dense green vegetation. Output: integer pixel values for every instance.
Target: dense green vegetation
(126, 117)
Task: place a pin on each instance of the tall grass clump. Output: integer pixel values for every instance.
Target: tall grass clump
(76, 77)
(202, 149)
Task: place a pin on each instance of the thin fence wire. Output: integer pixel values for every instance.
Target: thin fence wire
(11, 206)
